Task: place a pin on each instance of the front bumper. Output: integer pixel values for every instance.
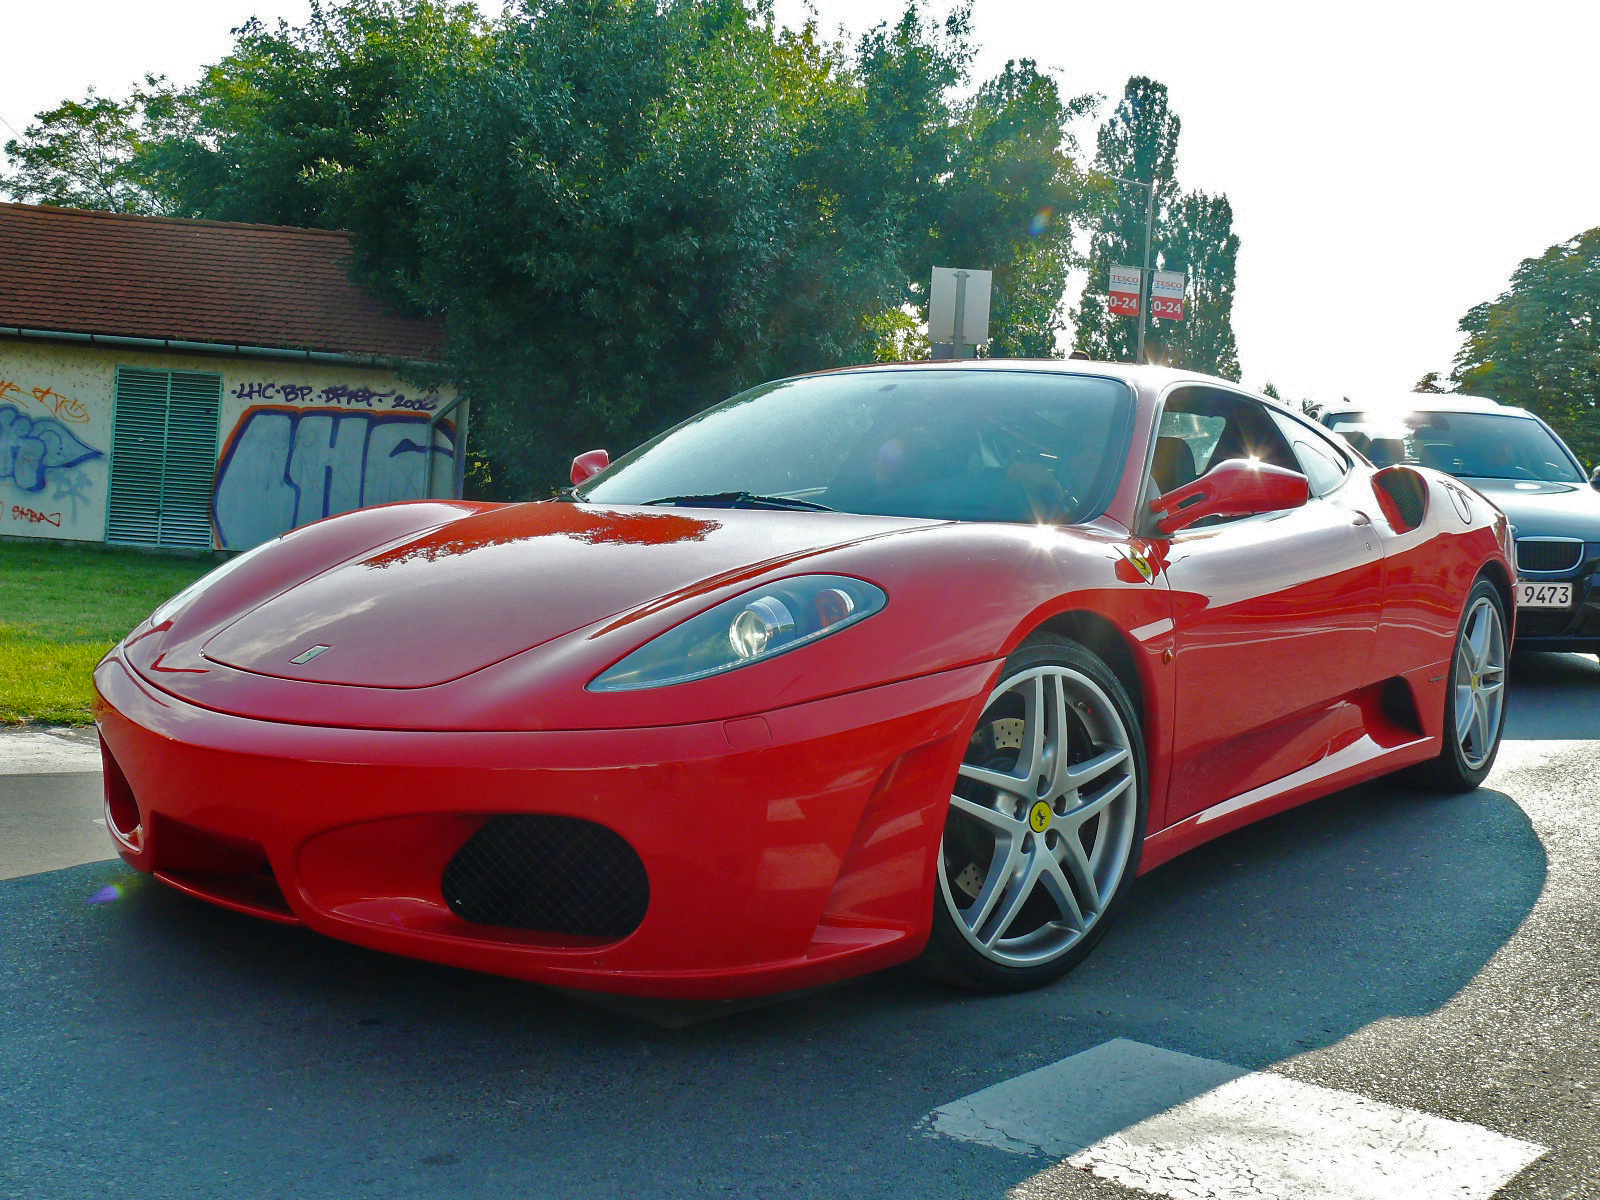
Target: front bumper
(1575, 629)
(783, 850)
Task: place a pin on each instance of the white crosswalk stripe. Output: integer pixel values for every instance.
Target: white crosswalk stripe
(1194, 1129)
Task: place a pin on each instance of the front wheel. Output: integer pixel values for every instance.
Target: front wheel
(1475, 705)
(1045, 826)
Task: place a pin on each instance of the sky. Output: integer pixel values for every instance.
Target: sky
(1388, 164)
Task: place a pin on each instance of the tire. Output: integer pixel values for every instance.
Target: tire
(1475, 702)
(1036, 859)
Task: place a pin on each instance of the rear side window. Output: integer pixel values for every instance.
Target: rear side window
(1323, 464)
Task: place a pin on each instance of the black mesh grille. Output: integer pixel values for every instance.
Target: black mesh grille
(550, 874)
(1534, 554)
(1409, 493)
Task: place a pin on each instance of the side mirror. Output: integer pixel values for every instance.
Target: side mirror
(589, 464)
(1594, 478)
(1238, 487)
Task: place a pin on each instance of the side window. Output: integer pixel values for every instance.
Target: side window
(1322, 463)
(1201, 427)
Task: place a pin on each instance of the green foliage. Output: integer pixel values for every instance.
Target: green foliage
(1139, 141)
(1538, 345)
(1007, 199)
(625, 209)
(91, 153)
(1192, 232)
(291, 125)
(1197, 238)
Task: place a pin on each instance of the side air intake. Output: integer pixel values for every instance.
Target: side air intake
(1404, 497)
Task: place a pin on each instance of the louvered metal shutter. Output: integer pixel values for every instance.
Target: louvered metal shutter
(163, 458)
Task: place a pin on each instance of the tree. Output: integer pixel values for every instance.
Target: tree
(629, 211)
(1192, 232)
(1538, 344)
(1007, 200)
(1139, 141)
(289, 127)
(87, 153)
(1429, 385)
(626, 210)
(1197, 238)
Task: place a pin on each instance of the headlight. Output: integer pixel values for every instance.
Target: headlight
(758, 625)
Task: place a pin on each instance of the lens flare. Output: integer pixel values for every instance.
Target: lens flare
(109, 894)
(1040, 221)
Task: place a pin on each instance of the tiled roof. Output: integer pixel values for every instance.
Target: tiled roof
(70, 270)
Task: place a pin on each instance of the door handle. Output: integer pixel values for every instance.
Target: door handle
(1357, 517)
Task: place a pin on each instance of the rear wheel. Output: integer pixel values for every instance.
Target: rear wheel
(1045, 825)
(1475, 704)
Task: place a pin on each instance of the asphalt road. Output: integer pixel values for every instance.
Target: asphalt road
(1437, 953)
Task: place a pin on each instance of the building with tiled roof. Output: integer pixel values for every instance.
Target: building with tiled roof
(203, 384)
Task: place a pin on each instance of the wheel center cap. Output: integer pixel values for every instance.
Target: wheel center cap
(1039, 817)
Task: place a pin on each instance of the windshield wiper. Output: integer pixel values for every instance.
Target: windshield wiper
(742, 500)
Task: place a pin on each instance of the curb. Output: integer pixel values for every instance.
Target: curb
(49, 750)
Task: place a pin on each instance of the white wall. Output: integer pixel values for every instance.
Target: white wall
(297, 441)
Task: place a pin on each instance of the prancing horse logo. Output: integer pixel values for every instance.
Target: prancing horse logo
(306, 656)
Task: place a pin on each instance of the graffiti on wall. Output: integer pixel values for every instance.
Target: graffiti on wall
(339, 393)
(65, 407)
(33, 447)
(284, 466)
(32, 516)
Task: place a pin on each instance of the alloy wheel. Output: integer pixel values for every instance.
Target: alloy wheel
(1480, 680)
(1042, 819)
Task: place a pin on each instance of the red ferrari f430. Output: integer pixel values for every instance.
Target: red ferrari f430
(919, 662)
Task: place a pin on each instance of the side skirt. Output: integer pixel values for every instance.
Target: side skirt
(1355, 762)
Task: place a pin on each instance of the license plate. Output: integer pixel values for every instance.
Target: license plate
(1543, 595)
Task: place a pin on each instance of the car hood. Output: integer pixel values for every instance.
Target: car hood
(454, 600)
(1540, 509)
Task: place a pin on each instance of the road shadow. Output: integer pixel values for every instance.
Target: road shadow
(274, 1062)
(1554, 697)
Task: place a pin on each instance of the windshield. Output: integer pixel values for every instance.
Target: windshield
(945, 444)
(1475, 445)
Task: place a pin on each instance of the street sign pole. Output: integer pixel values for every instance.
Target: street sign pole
(1144, 275)
(961, 313)
(1144, 272)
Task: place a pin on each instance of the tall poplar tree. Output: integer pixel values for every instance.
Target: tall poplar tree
(1139, 141)
(1197, 238)
(1193, 233)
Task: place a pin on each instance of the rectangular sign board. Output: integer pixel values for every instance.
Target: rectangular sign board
(974, 305)
(1125, 289)
(1166, 295)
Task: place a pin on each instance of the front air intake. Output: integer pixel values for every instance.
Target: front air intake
(549, 874)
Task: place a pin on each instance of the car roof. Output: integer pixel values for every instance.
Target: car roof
(1147, 378)
(1444, 402)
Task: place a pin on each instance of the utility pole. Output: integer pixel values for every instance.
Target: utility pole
(1144, 275)
(1144, 268)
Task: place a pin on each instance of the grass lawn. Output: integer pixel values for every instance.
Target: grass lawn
(61, 608)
